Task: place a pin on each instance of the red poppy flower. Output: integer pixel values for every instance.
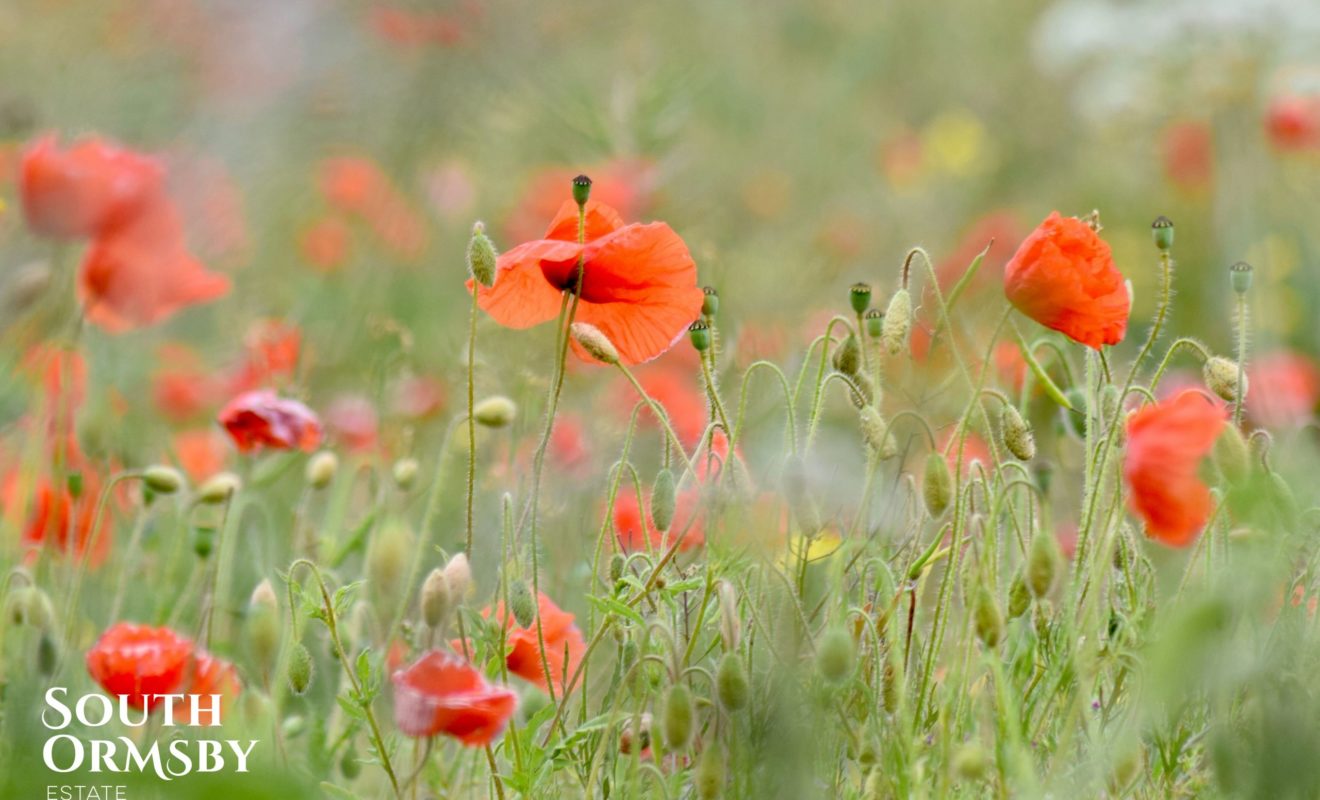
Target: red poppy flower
(1063, 276)
(973, 450)
(136, 661)
(1166, 442)
(271, 351)
(639, 284)
(998, 230)
(418, 397)
(1010, 365)
(201, 453)
(676, 391)
(402, 26)
(210, 676)
(564, 646)
(84, 189)
(262, 418)
(637, 532)
(1189, 157)
(442, 693)
(1282, 389)
(183, 388)
(325, 244)
(1293, 123)
(624, 185)
(55, 517)
(569, 448)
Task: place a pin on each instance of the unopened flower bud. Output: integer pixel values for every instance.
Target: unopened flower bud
(495, 412)
(262, 626)
(617, 563)
(203, 540)
(1019, 597)
(970, 762)
(835, 655)
(988, 619)
(321, 469)
(581, 190)
(388, 558)
(1043, 560)
(219, 488)
(731, 686)
(875, 323)
(710, 302)
(848, 358)
(699, 333)
(1240, 277)
(709, 778)
(875, 430)
(859, 297)
(161, 479)
(595, 342)
(1232, 455)
(937, 484)
(458, 574)
(29, 605)
(1017, 434)
(1221, 378)
(349, 765)
(730, 623)
(679, 717)
(521, 603)
(898, 322)
(405, 473)
(481, 256)
(300, 668)
(435, 599)
(664, 500)
(1162, 230)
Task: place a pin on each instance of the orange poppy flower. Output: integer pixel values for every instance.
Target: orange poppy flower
(138, 661)
(1166, 442)
(1063, 276)
(639, 284)
(442, 693)
(325, 245)
(564, 645)
(55, 517)
(201, 453)
(84, 189)
(262, 418)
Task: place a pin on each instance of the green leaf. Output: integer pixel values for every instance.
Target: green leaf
(611, 606)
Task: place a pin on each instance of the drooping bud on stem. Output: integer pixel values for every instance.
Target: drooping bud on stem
(436, 602)
(1017, 434)
(300, 668)
(679, 717)
(321, 469)
(481, 256)
(731, 684)
(458, 574)
(875, 430)
(937, 484)
(521, 603)
(162, 479)
(595, 342)
(1043, 560)
(988, 619)
(1019, 597)
(664, 499)
(848, 358)
(1221, 376)
(835, 655)
(898, 322)
(495, 412)
(219, 488)
(262, 627)
(709, 778)
(405, 472)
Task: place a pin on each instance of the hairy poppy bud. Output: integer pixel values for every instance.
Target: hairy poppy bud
(388, 559)
(300, 668)
(219, 488)
(1043, 558)
(435, 599)
(1221, 378)
(521, 603)
(321, 469)
(1017, 434)
(709, 778)
(162, 480)
(262, 627)
(481, 256)
(875, 430)
(699, 333)
(664, 500)
(495, 412)
(875, 323)
(731, 685)
(1162, 230)
(617, 563)
(595, 342)
(730, 624)
(458, 575)
(835, 655)
(405, 473)
(1240, 277)
(29, 605)
(989, 620)
(1019, 597)
(937, 484)
(710, 302)
(678, 719)
(1232, 456)
(970, 762)
(848, 358)
(581, 190)
(898, 322)
(859, 297)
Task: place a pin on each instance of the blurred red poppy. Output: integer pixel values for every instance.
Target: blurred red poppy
(1166, 442)
(442, 693)
(414, 28)
(1283, 388)
(564, 645)
(85, 189)
(182, 387)
(625, 185)
(55, 517)
(261, 418)
(639, 284)
(352, 418)
(271, 350)
(201, 453)
(1189, 156)
(676, 391)
(210, 676)
(138, 661)
(1063, 276)
(1292, 123)
(638, 532)
(325, 244)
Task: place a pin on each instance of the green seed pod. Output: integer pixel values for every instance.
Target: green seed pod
(1220, 376)
(522, 604)
(836, 655)
(679, 716)
(262, 627)
(481, 256)
(1162, 231)
(162, 480)
(988, 618)
(937, 484)
(848, 357)
(436, 601)
(1232, 455)
(875, 323)
(710, 301)
(709, 778)
(731, 684)
(699, 333)
(1019, 597)
(581, 190)
(300, 669)
(203, 540)
(971, 762)
(1018, 438)
(1240, 277)
(664, 499)
(219, 488)
(898, 322)
(349, 765)
(876, 433)
(405, 473)
(1043, 560)
(859, 297)
(321, 469)
(48, 654)
(495, 412)
(595, 342)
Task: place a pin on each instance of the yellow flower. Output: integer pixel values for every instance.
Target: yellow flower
(822, 545)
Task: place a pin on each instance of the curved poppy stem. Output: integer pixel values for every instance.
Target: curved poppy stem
(85, 558)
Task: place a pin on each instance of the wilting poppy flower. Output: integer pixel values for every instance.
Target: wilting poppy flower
(442, 693)
(83, 190)
(1166, 442)
(564, 646)
(639, 284)
(136, 661)
(1063, 276)
(262, 418)
(1283, 389)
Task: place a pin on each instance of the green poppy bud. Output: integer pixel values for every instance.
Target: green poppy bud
(162, 480)
(321, 469)
(219, 488)
(937, 484)
(1043, 559)
(1221, 375)
(710, 302)
(262, 627)
(989, 620)
(709, 778)
(481, 256)
(835, 655)
(1232, 455)
(595, 342)
(405, 472)
(731, 684)
(203, 540)
(897, 324)
(1019, 597)
(875, 431)
(664, 499)
(522, 604)
(495, 412)
(971, 762)
(848, 357)
(300, 668)
(679, 716)
(1018, 438)
(436, 601)
(349, 765)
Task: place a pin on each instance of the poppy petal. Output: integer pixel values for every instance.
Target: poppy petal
(521, 296)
